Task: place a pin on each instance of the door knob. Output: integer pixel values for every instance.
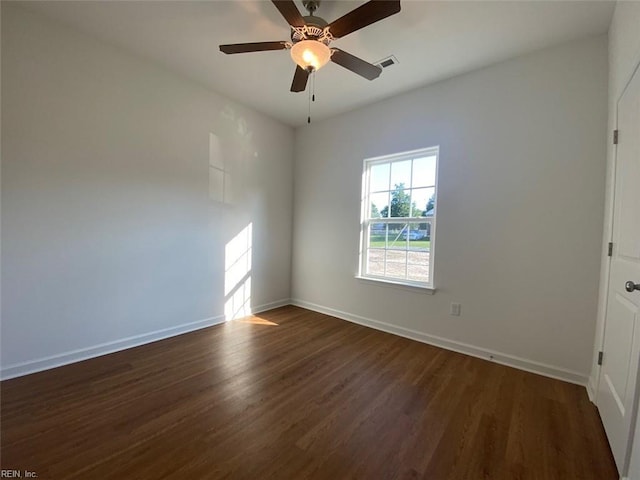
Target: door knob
(630, 286)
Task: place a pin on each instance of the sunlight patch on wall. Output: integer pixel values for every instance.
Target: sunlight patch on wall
(219, 172)
(237, 276)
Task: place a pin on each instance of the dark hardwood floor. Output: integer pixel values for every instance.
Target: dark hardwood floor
(293, 394)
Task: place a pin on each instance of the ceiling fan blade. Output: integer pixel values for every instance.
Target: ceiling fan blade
(252, 47)
(290, 12)
(364, 15)
(299, 83)
(355, 64)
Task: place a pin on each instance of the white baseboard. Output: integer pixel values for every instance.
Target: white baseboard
(270, 306)
(46, 363)
(486, 354)
(73, 356)
(591, 389)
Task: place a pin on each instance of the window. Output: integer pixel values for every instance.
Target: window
(399, 217)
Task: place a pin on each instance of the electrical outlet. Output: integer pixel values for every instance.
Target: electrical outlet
(455, 309)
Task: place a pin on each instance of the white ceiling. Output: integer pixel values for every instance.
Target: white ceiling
(431, 40)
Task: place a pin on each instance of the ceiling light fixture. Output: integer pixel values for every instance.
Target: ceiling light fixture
(310, 55)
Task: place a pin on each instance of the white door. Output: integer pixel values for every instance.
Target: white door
(617, 386)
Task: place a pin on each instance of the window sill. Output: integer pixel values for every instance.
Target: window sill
(403, 286)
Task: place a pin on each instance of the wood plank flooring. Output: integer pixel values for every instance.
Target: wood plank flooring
(293, 394)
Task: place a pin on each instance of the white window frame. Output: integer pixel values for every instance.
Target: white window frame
(366, 220)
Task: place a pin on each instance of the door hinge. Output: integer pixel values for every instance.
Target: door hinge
(600, 355)
(610, 249)
(615, 137)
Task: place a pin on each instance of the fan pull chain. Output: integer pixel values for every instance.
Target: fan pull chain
(309, 107)
(312, 94)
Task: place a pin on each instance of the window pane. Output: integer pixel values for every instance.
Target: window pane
(425, 230)
(424, 172)
(377, 235)
(400, 205)
(418, 273)
(379, 180)
(396, 263)
(379, 206)
(397, 235)
(401, 173)
(418, 255)
(422, 202)
(400, 234)
(418, 240)
(375, 262)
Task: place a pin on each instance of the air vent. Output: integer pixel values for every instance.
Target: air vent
(387, 62)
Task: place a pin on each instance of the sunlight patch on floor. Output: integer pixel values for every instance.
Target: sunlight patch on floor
(257, 321)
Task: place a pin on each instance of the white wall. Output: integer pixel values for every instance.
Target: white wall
(109, 236)
(520, 209)
(624, 57)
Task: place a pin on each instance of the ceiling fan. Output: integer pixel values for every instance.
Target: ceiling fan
(311, 36)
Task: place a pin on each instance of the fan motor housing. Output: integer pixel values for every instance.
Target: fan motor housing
(315, 21)
(314, 29)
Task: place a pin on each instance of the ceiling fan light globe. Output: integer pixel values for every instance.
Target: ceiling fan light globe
(310, 54)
